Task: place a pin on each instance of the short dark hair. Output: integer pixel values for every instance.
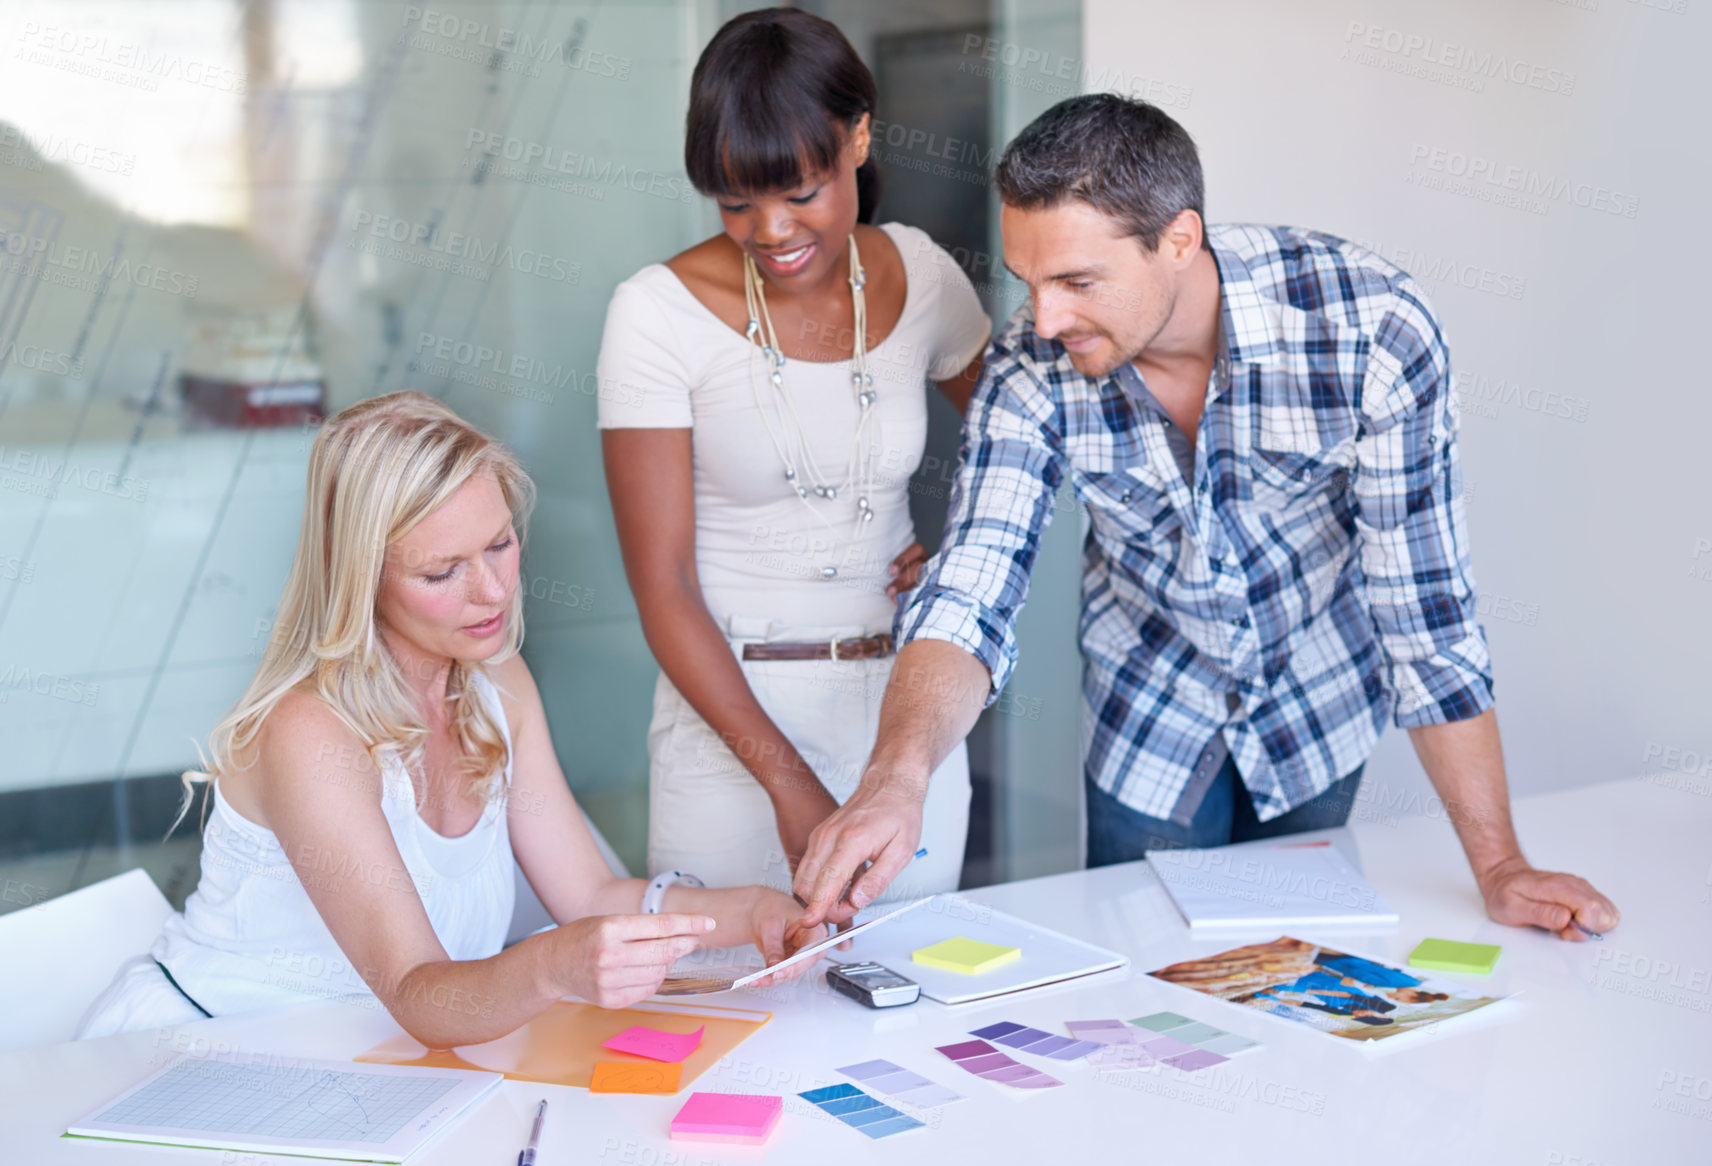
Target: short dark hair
(1124, 157)
(772, 99)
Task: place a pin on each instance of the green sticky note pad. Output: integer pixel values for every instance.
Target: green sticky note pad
(1447, 955)
(969, 956)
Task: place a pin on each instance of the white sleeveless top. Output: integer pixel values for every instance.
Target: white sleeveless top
(667, 362)
(250, 937)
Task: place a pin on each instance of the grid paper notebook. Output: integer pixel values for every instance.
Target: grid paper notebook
(324, 1109)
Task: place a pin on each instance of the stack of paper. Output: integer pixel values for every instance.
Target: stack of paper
(743, 1118)
(1229, 888)
(1045, 956)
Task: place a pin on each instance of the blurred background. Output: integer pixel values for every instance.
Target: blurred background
(221, 220)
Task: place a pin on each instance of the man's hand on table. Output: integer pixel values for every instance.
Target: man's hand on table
(862, 844)
(1521, 896)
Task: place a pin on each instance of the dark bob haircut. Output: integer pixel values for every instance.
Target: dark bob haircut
(1125, 158)
(772, 100)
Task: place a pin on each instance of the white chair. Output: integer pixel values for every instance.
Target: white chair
(529, 916)
(57, 956)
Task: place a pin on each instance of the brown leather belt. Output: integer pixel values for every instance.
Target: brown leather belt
(866, 648)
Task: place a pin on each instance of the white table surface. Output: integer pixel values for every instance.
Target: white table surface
(1606, 1057)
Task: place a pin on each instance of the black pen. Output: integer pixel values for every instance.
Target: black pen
(526, 1156)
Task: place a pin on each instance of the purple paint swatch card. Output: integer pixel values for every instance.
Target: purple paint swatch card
(1036, 1041)
(983, 1060)
(1195, 1059)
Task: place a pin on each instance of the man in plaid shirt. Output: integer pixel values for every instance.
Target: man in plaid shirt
(1260, 425)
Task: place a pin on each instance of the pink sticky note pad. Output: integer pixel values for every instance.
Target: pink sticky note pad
(654, 1044)
(748, 1118)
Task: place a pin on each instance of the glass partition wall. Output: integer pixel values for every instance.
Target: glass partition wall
(221, 221)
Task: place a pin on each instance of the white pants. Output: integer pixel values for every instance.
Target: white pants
(707, 815)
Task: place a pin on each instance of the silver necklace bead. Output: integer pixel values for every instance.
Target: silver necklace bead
(828, 572)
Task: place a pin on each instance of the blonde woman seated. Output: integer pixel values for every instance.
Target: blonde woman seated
(390, 758)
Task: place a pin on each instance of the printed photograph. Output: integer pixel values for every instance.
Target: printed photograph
(1334, 991)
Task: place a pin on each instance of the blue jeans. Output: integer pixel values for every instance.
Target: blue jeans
(1117, 833)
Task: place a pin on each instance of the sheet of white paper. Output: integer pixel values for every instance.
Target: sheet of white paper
(694, 985)
(1047, 956)
(326, 1109)
(1246, 886)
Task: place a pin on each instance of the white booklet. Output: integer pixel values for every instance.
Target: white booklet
(1230, 888)
(1046, 956)
(289, 1105)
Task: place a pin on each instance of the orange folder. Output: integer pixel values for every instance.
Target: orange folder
(563, 1044)
(624, 1077)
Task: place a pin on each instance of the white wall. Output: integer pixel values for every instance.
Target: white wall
(1592, 531)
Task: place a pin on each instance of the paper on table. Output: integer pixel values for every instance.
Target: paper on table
(1195, 1059)
(1165, 1047)
(1122, 1043)
(858, 1110)
(983, 1060)
(727, 1117)
(1047, 956)
(562, 1044)
(1193, 1032)
(1229, 1044)
(324, 1109)
(631, 1077)
(1037, 1041)
(897, 1081)
(1245, 886)
(1161, 1021)
(1333, 990)
(703, 985)
(642, 1041)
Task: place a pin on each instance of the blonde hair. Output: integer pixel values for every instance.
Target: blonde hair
(376, 470)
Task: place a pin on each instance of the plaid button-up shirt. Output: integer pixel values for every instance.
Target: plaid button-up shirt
(1312, 580)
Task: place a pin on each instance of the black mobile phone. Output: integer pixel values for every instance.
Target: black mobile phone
(873, 985)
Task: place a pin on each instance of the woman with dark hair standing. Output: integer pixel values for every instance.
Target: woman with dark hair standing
(764, 403)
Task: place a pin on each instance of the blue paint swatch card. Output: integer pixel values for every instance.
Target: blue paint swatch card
(857, 1109)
